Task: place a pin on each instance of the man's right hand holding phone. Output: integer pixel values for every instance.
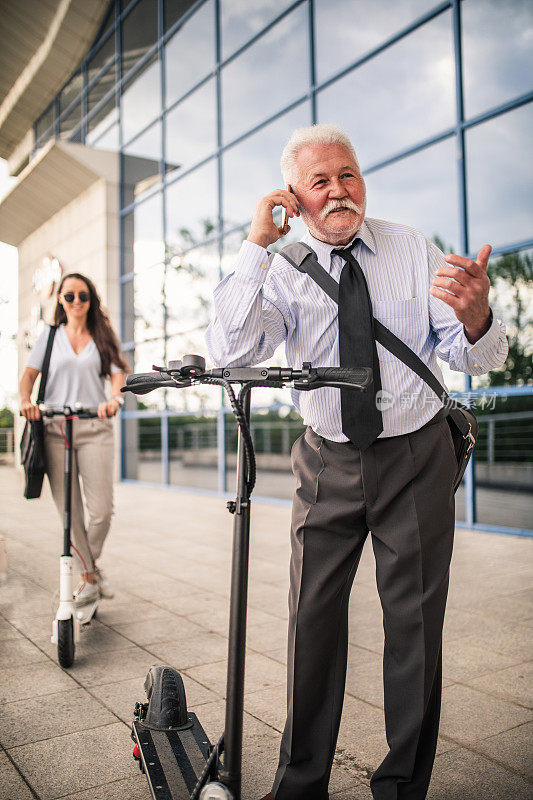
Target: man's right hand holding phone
(263, 230)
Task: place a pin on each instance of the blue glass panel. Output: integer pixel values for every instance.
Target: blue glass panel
(139, 33)
(251, 168)
(400, 97)
(497, 52)
(345, 31)
(141, 100)
(240, 22)
(192, 209)
(191, 132)
(190, 53)
(500, 179)
(268, 76)
(142, 163)
(420, 191)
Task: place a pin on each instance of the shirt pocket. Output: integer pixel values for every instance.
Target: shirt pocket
(405, 318)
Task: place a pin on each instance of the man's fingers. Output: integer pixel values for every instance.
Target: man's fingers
(450, 284)
(450, 299)
(458, 274)
(283, 198)
(472, 267)
(483, 256)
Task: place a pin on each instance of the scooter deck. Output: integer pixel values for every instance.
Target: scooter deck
(173, 760)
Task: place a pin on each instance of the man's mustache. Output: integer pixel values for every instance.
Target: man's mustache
(334, 205)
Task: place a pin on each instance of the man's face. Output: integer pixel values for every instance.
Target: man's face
(331, 192)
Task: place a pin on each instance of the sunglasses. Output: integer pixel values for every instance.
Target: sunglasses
(84, 297)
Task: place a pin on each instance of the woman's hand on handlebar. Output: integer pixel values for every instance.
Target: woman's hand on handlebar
(108, 409)
(29, 410)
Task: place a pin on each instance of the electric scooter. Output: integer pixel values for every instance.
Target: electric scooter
(171, 746)
(70, 617)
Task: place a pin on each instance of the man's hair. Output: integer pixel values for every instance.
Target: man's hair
(315, 134)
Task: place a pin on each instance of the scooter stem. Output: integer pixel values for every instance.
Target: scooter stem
(68, 486)
(231, 775)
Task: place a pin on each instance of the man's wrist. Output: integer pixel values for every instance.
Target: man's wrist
(474, 333)
(262, 241)
(118, 399)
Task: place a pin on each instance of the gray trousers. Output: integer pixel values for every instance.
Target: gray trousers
(92, 462)
(400, 489)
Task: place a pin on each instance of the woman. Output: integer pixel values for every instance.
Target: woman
(85, 351)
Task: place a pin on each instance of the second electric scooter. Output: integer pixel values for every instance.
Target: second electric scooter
(70, 617)
(170, 744)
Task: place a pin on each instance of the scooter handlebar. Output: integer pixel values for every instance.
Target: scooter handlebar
(68, 411)
(144, 382)
(361, 376)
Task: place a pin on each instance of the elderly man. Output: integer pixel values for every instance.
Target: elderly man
(383, 462)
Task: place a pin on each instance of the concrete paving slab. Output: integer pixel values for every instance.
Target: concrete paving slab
(34, 680)
(135, 788)
(160, 629)
(12, 785)
(362, 734)
(203, 648)
(462, 774)
(261, 672)
(39, 718)
(81, 760)
(115, 613)
(512, 749)
(97, 668)
(462, 663)
(469, 715)
(356, 791)
(368, 637)
(266, 636)
(515, 607)
(514, 683)
(364, 676)
(8, 631)
(513, 640)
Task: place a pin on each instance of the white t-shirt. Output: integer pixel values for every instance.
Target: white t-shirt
(72, 378)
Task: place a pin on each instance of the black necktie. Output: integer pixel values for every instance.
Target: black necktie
(361, 418)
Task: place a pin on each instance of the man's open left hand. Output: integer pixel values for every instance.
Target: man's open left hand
(464, 285)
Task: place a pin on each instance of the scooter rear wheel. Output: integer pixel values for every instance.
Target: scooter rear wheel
(65, 642)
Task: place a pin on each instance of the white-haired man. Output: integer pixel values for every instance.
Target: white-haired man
(387, 469)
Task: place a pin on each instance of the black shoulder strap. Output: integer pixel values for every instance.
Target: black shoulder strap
(46, 363)
(304, 259)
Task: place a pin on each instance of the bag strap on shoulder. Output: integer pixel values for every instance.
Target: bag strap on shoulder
(305, 260)
(46, 363)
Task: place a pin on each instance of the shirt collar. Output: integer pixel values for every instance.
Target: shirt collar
(323, 250)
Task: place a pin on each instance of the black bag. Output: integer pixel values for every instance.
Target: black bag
(32, 452)
(461, 420)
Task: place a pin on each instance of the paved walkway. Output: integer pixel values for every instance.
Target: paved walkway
(65, 734)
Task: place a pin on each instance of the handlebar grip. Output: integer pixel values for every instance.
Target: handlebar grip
(359, 375)
(144, 382)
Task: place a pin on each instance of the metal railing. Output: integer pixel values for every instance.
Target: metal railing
(7, 445)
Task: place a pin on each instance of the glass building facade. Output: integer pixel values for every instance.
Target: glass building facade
(199, 98)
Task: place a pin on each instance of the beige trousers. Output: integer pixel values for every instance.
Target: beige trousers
(93, 463)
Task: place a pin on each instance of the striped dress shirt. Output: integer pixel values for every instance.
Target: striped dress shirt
(262, 304)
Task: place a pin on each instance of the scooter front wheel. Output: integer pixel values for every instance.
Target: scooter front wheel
(65, 642)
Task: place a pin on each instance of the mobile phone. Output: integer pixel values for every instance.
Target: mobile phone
(283, 228)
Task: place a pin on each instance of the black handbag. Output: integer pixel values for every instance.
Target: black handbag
(32, 452)
(461, 419)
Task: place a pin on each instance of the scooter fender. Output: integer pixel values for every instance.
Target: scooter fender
(75, 624)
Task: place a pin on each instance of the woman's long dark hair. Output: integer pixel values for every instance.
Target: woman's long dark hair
(98, 324)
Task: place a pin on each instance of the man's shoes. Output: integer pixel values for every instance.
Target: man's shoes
(106, 590)
(86, 593)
